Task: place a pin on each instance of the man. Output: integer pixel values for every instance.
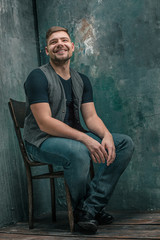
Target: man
(53, 134)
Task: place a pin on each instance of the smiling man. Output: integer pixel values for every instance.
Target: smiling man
(53, 134)
(59, 47)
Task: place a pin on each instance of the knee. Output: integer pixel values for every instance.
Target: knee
(127, 146)
(129, 143)
(124, 151)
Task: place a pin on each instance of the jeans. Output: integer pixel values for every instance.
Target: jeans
(89, 195)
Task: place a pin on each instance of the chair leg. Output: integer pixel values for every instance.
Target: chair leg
(53, 198)
(91, 170)
(70, 211)
(30, 196)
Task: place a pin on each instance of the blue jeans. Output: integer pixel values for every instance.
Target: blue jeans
(74, 156)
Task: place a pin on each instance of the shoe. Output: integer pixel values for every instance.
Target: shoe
(104, 218)
(86, 221)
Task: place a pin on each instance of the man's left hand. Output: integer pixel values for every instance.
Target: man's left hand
(108, 144)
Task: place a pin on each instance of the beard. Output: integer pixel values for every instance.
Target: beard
(60, 60)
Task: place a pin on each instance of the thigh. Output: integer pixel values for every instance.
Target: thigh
(117, 138)
(64, 151)
(52, 150)
(62, 146)
(94, 136)
(122, 141)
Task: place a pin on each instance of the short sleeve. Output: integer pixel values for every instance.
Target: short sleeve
(36, 87)
(87, 92)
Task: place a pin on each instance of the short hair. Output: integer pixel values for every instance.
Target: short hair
(55, 29)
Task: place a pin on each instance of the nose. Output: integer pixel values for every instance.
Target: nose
(59, 43)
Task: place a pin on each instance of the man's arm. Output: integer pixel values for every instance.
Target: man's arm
(54, 127)
(95, 125)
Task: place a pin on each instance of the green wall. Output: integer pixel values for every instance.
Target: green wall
(117, 46)
(18, 56)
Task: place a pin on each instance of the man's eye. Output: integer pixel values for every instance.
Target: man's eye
(52, 42)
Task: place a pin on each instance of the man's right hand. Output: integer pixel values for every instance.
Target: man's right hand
(97, 151)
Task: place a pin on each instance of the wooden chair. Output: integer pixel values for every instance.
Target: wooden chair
(18, 111)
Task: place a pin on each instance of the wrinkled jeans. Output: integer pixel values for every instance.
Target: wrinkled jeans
(89, 195)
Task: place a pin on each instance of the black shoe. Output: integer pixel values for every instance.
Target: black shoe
(86, 221)
(104, 218)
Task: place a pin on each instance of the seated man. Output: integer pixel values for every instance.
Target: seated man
(53, 134)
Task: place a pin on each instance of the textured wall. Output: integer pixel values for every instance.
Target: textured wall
(18, 56)
(118, 47)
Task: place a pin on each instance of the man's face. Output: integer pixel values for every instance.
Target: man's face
(59, 47)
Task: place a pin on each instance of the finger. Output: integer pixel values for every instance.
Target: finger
(111, 157)
(104, 152)
(97, 157)
(93, 158)
(114, 156)
(109, 154)
(101, 152)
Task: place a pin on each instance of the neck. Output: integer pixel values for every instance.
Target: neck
(62, 69)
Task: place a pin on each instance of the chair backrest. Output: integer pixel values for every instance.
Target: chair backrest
(18, 112)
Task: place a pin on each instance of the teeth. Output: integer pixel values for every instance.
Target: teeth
(62, 50)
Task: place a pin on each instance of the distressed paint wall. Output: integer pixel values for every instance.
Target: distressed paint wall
(118, 47)
(18, 57)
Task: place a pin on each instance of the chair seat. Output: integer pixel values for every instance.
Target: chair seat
(49, 175)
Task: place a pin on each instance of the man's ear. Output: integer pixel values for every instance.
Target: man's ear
(73, 46)
(46, 50)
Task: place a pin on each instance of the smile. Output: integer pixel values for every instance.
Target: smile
(60, 51)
